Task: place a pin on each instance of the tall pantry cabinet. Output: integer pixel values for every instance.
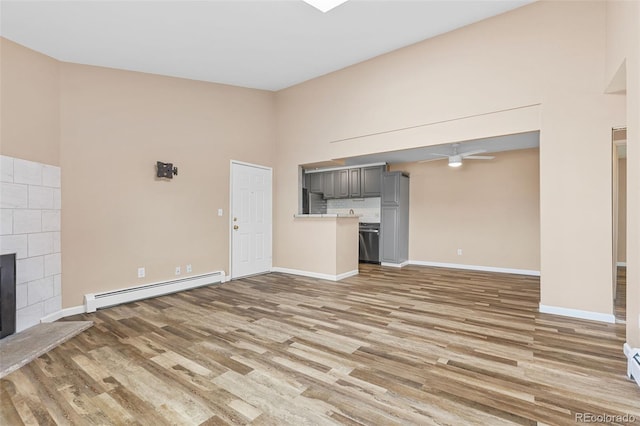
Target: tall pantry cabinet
(394, 218)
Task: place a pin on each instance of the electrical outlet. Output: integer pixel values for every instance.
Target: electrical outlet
(178, 270)
(141, 273)
(459, 252)
(189, 269)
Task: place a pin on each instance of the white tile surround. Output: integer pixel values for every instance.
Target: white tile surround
(30, 227)
(367, 208)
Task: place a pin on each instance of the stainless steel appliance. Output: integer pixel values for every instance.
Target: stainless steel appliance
(313, 203)
(369, 242)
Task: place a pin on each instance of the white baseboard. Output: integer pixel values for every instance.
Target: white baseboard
(52, 317)
(318, 275)
(477, 268)
(63, 313)
(577, 313)
(633, 365)
(621, 264)
(395, 265)
(94, 301)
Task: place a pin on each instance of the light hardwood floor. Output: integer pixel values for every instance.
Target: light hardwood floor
(620, 303)
(410, 346)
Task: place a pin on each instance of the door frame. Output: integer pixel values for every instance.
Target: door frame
(233, 163)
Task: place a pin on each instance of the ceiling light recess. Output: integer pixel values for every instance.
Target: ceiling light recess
(325, 5)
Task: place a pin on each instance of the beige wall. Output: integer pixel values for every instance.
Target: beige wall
(500, 76)
(622, 210)
(30, 104)
(489, 209)
(347, 242)
(118, 216)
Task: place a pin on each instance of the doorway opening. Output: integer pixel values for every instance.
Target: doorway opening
(619, 216)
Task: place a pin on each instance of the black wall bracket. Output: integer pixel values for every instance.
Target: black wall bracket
(166, 170)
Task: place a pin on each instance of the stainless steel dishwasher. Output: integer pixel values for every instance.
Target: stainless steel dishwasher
(369, 242)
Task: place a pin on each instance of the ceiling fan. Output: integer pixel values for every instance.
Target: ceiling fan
(455, 158)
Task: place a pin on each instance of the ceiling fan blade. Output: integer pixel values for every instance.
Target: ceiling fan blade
(474, 152)
(479, 157)
(432, 159)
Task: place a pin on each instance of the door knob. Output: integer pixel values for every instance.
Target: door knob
(236, 227)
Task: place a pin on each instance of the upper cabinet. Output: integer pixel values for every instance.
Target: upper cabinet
(341, 183)
(371, 180)
(391, 188)
(355, 190)
(351, 182)
(329, 179)
(315, 183)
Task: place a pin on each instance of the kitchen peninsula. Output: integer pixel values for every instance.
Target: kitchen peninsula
(330, 247)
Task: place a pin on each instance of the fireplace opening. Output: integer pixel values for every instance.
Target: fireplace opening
(7, 295)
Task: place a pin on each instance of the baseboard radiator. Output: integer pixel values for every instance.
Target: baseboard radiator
(633, 362)
(93, 301)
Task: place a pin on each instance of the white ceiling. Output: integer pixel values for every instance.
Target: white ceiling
(263, 44)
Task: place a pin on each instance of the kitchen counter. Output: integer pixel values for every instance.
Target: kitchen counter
(329, 215)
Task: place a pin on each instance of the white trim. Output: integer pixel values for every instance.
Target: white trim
(621, 264)
(74, 310)
(94, 301)
(347, 274)
(52, 317)
(633, 367)
(395, 265)
(477, 268)
(257, 166)
(317, 275)
(577, 313)
(63, 313)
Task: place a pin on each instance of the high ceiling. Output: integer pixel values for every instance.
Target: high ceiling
(261, 44)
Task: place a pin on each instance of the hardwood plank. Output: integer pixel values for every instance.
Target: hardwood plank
(415, 345)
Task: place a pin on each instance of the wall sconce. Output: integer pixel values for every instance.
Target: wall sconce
(166, 170)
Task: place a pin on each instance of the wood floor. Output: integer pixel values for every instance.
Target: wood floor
(620, 305)
(410, 346)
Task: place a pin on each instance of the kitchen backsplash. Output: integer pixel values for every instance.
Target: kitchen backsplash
(368, 208)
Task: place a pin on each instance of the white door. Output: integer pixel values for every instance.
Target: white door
(250, 219)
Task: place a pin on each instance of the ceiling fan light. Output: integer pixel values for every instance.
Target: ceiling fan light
(325, 5)
(455, 161)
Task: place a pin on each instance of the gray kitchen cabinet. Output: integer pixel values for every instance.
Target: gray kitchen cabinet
(341, 182)
(328, 184)
(390, 188)
(355, 186)
(315, 183)
(371, 181)
(350, 182)
(394, 218)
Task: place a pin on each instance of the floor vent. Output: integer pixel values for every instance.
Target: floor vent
(93, 301)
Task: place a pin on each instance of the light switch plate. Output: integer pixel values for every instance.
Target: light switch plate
(219, 212)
